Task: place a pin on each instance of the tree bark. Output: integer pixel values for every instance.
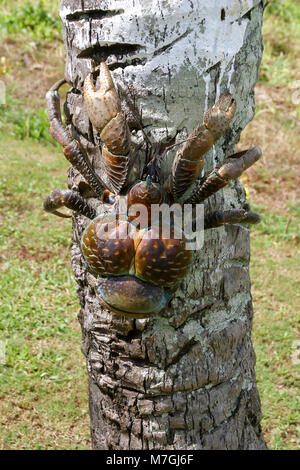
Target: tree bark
(185, 378)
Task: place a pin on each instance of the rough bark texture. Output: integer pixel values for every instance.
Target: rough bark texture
(184, 379)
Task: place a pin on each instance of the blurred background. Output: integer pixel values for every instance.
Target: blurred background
(43, 383)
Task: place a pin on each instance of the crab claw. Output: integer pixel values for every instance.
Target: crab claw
(218, 118)
(104, 104)
(104, 110)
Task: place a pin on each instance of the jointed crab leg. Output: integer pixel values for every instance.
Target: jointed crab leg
(188, 161)
(233, 216)
(71, 147)
(69, 199)
(232, 167)
(104, 110)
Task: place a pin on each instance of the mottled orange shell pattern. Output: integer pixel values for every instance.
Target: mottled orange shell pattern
(116, 249)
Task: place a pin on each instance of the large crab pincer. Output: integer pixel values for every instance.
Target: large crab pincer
(104, 110)
(138, 266)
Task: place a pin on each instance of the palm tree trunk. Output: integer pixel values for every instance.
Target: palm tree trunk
(184, 379)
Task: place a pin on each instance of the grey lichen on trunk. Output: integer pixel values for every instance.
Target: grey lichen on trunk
(183, 379)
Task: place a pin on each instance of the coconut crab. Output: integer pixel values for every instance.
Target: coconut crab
(137, 267)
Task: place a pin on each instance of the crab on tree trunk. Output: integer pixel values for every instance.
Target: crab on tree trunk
(183, 378)
(138, 269)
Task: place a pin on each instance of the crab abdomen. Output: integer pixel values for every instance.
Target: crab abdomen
(106, 246)
(162, 261)
(137, 269)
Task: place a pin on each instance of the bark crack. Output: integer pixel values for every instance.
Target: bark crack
(172, 43)
(182, 352)
(93, 14)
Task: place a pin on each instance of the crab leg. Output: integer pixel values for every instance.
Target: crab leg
(67, 198)
(233, 216)
(70, 146)
(189, 161)
(104, 110)
(232, 167)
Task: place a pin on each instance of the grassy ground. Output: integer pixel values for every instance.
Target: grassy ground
(40, 406)
(274, 191)
(43, 391)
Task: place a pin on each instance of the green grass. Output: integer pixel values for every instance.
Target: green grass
(33, 19)
(22, 123)
(276, 297)
(275, 242)
(281, 59)
(277, 225)
(38, 308)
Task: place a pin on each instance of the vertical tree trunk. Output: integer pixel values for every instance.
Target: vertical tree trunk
(184, 379)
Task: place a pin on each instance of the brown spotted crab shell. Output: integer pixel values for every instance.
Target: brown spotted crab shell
(137, 270)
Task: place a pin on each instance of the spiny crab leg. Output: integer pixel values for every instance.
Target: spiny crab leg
(233, 216)
(70, 146)
(188, 161)
(232, 167)
(104, 110)
(67, 198)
